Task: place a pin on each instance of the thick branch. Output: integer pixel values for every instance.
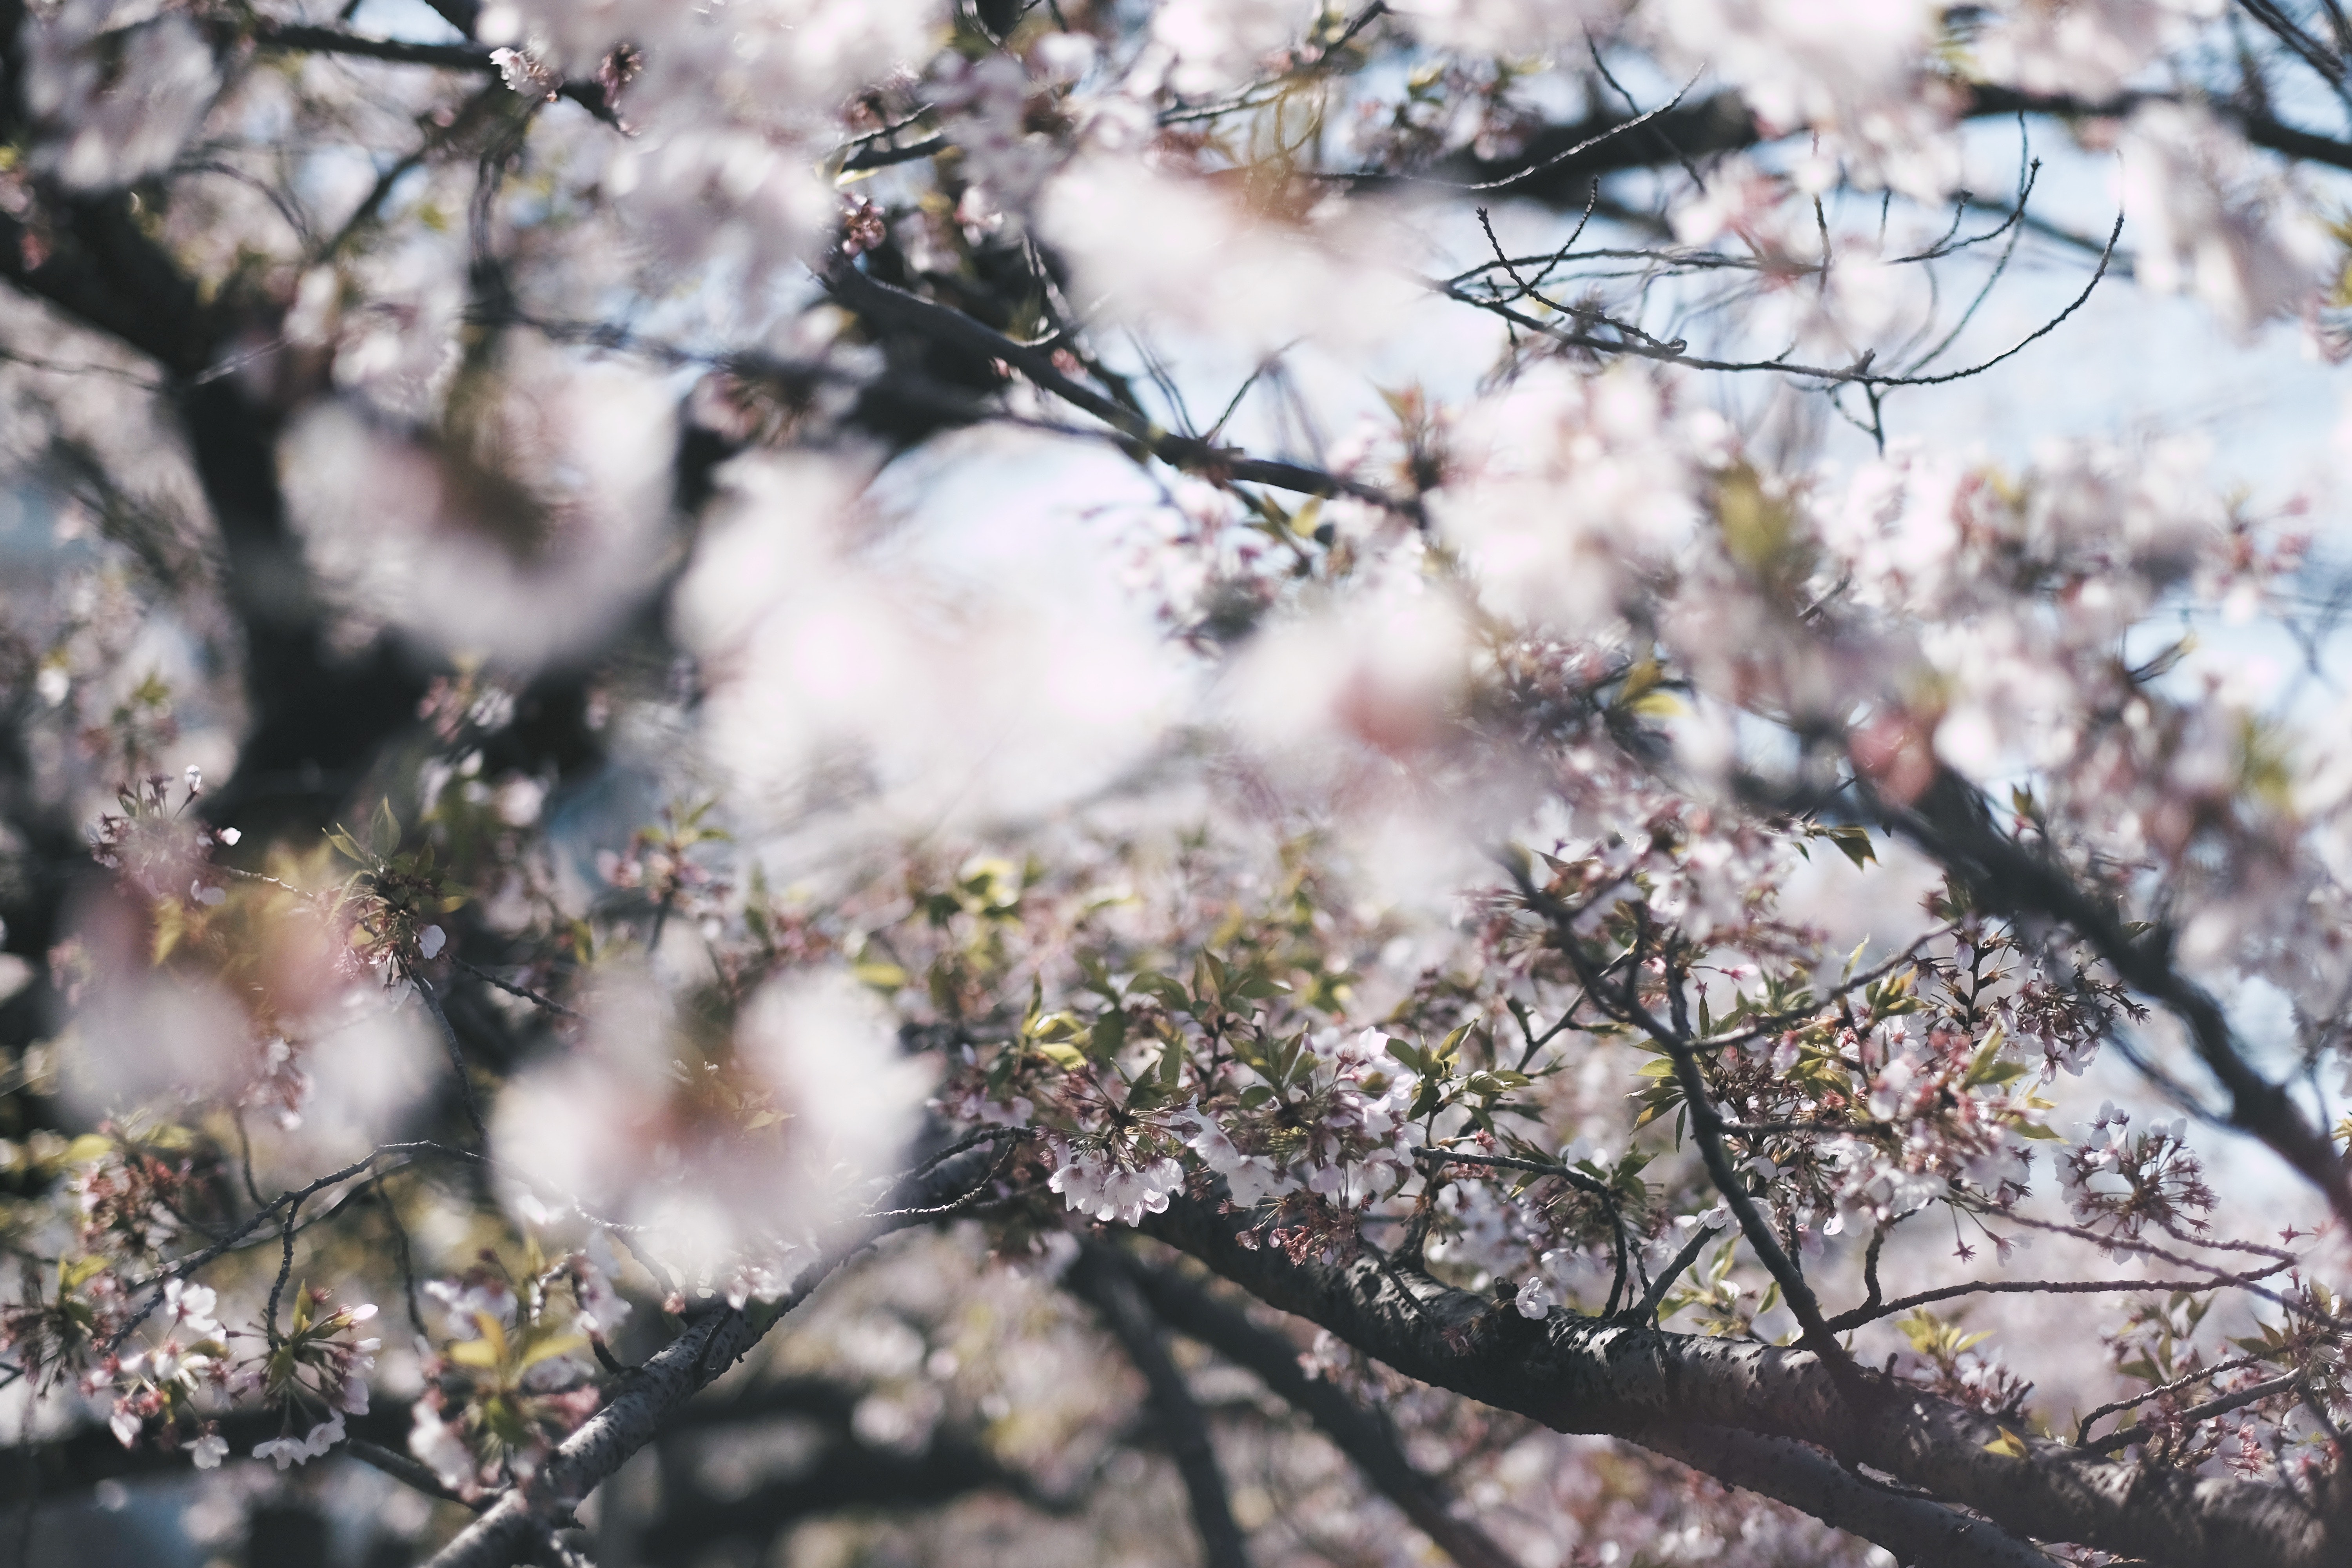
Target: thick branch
(394, 51)
(850, 1473)
(640, 1407)
(847, 1475)
(467, 57)
(1921, 1533)
(93, 262)
(318, 717)
(511, 1531)
(1583, 1375)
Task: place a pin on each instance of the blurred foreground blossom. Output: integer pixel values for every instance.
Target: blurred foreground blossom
(1466, 714)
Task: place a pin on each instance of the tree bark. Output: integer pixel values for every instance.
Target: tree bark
(1649, 1386)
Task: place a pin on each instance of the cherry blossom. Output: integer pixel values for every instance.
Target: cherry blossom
(1015, 731)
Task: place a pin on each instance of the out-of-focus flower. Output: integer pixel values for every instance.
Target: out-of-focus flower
(114, 103)
(2214, 221)
(440, 1446)
(774, 1140)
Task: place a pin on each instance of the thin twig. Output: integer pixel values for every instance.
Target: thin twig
(402, 1469)
(457, 1054)
(2083, 1427)
(2123, 1437)
(511, 989)
(1647, 1310)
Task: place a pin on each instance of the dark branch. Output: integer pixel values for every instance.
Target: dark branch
(1949, 822)
(1584, 1374)
(1098, 1278)
(872, 298)
(1360, 1434)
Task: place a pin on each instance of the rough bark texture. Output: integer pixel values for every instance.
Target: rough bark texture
(522, 1520)
(1920, 1534)
(1586, 1375)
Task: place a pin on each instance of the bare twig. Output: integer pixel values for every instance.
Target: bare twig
(457, 1054)
(1646, 1311)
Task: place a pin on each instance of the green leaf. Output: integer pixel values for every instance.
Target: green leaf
(87, 1147)
(384, 830)
(1853, 841)
(1256, 987)
(73, 1273)
(556, 1345)
(1209, 977)
(1107, 1035)
(1657, 704)
(478, 1355)
(1097, 979)
(1168, 993)
(1987, 1069)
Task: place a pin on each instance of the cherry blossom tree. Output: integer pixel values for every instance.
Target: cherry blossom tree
(1226, 779)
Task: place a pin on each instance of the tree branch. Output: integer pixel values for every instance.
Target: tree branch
(1098, 1278)
(468, 57)
(850, 1473)
(1605, 144)
(1360, 1434)
(1584, 1374)
(2124, 1436)
(1949, 822)
(872, 298)
(511, 1530)
(1707, 1129)
(1922, 1533)
(641, 1404)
